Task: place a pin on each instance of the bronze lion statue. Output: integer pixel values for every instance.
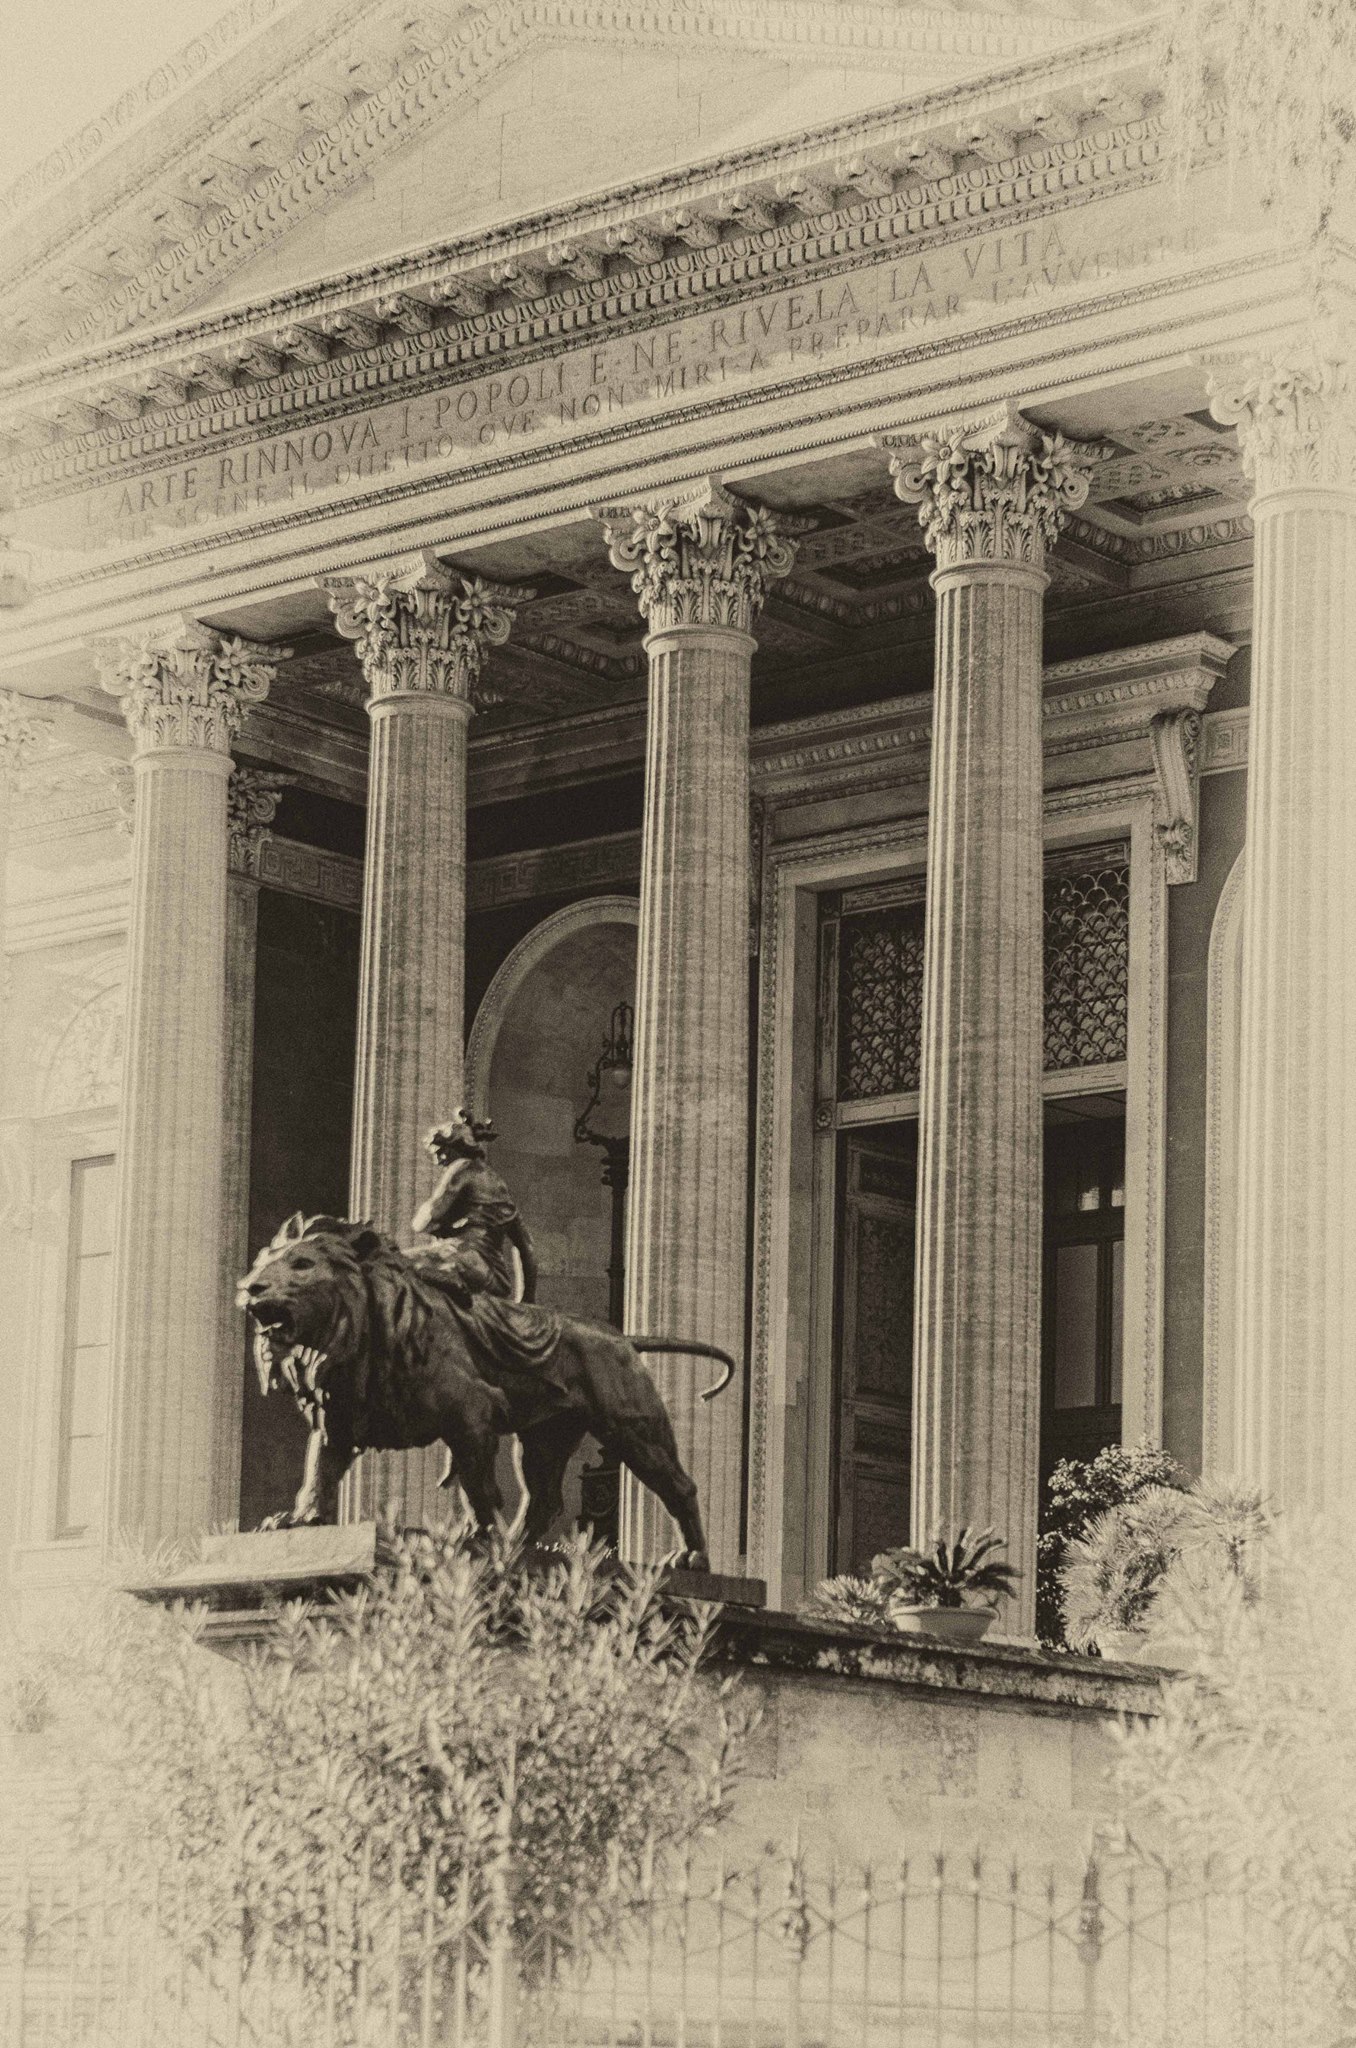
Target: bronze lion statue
(382, 1350)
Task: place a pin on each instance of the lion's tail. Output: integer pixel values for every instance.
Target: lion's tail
(691, 1347)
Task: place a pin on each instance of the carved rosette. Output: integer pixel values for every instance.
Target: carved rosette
(252, 798)
(190, 687)
(995, 489)
(703, 560)
(424, 630)
(1295, 413)
(24, 732)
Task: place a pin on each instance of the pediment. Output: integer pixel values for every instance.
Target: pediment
(336, 136)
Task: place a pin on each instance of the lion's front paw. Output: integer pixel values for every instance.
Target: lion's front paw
(293, 1518)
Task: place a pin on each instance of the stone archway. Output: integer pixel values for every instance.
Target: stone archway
(536, 1034)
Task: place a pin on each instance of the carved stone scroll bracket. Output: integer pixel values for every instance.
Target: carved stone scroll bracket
(992, 489)
(186, 685)
(25, 732)
(1176, 741)
(1295, 412)
(703, 558)
(422, 628)
(252, 799)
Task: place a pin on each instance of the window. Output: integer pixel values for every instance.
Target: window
(1084, 1292)
(85, 1355)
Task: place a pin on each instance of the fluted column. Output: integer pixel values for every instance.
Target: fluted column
(1295, 1304)
(422, 633)
(252, 797)
(990, 495)
(185, 697)
(700, 568)
(24, 731)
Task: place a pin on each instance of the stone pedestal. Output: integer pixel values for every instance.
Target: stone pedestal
(184, 698)
(421, 633)
(700, 568)
(990, 496)
(1295, 1302)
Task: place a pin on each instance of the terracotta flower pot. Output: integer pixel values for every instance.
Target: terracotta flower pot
(948, 1624)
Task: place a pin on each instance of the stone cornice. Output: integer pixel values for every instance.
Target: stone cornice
(853, 32)
(925, 181)
(1097, 701)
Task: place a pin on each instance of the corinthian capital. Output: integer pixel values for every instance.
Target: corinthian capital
(422, 627)
(252, 798)
(1295, 411)
(188, 686)
(701, 560)
(24, 731)
(995, 489)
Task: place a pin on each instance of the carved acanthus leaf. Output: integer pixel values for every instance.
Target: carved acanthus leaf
(24, 733)
(702, 560)
(424, 628)
(188, 686)
(995, 489)
(1295, 411)
(252, 799)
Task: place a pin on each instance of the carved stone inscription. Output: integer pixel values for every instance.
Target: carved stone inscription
(794, 329)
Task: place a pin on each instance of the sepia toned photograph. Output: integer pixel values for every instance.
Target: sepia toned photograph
(678, 1024)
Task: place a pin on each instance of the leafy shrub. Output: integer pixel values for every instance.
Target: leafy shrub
(1077, 1491)
(1115, 1574)
(537, 1734)
(1251, 1763)
(857, 1602)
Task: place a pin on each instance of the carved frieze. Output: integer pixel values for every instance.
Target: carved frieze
(188, 687)
(424, 628)
(702, 560)
(995, 489)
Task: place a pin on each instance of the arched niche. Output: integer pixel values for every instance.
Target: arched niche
(1223, 1054)
(537, 1033)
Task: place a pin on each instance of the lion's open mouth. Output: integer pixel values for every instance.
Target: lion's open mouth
(274, 1320)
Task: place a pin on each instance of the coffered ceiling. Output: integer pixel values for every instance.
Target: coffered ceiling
(1168, 502)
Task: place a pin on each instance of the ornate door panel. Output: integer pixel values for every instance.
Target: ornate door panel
(875, 1348)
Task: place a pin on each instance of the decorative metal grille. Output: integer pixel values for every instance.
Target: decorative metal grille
(1087, 953)
(880, 1018)
(880, 982)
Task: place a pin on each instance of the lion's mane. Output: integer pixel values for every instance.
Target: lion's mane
(376, 1321)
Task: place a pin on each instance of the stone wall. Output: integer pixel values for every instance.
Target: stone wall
(870, 1751)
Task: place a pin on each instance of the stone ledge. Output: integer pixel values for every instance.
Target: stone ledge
(1000, 1672)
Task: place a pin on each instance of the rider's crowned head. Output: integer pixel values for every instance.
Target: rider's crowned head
(461, 1137)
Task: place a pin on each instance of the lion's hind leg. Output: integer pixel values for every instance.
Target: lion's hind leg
(649, 1449)
(547, 1451)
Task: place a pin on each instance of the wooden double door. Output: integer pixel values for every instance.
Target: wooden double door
(1082, 1313)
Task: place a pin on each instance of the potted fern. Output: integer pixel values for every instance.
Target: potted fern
(948, 1590)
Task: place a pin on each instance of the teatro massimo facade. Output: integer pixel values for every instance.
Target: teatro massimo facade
(797, 559)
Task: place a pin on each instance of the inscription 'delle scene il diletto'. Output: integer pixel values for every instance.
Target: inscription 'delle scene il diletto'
(852, 315)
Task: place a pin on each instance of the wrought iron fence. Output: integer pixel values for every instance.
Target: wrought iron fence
(934, 1952)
